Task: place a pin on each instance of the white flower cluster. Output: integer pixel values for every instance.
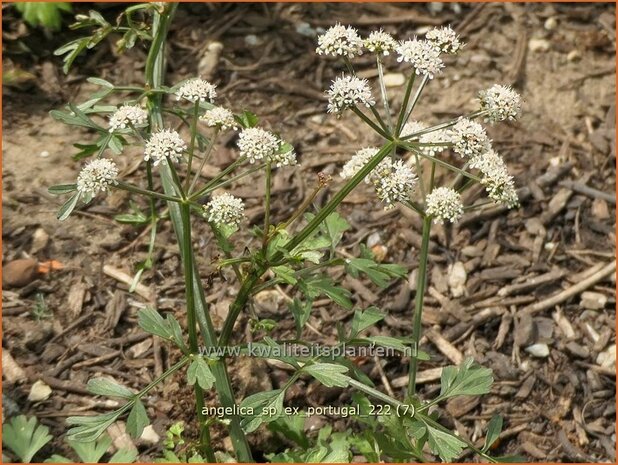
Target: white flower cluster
(359, 160)
(220, 117)
(501, 103)
(393, 181)
(340, 41)
(469, 138)
(423, 55)
(444, 204)
(412, 127)
(257, 144)
(445, 39)
(380, 42)
(196, 90)
(496, 178)
(348, 91)
(162, 144)
(128, 115)
(225, 209)
(441, 139)
(97, 176)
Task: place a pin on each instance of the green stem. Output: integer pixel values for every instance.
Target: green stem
(153, 195)
(203, 162)
(185, 249)
(421, 283)
(196, 109)
(373, 125)
(414, 149)
(213, 182)
(419, 91)
(267, 206)
(387, 109)
(404, 105)
(444, 125)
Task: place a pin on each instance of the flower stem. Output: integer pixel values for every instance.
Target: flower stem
(153, 195)
(404, 105)
(415, 98)
(421, 284)
(373, 125)
(196, 109)
(387, 110)
(267, 206)
(203, 162)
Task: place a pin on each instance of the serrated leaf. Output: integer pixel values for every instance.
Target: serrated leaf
(443, 444)
(292, 427)
(25, 437)
(90, 428)
(469, 379)
(328, 374)
(379, 274)
(137, 419)
(285, 273)
(334, 226)
(267, 407)
(199, 372)
(301, 311)
(364, 319)
(317, 285)
(152, 322)
(55, 458)
(85, 150)
(107, 387)
(390, 342)
(493, 431)
(60, 189)
(91, 451)
(247, 119)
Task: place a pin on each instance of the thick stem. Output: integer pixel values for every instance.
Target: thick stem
(185, 249)
(421, 284)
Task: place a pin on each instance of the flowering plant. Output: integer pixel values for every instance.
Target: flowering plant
(402, 171)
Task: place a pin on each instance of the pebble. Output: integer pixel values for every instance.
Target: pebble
(593, 300)
(599, 209)
(44, 154)
(574, 55)
(40, 238)
(539, 45)
(19, 273)
(39, 391)
(394, 79)
(608, 357)
(457, 278)
(149, 436)
(374, 239)
(539, 350)
(551, 23)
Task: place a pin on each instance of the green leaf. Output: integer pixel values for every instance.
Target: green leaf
(24, 436)
(68, 207)
(100, 82)
(285, 273)
(85, 150)
(55, 458)
(247, 119)
(387, 341)
(131, 218)
(107, 387)
(124, 455)
(152, 322)
(493, 431)
(328, 374)
(364, 319)
(90, 428)
(315, 286)
(301, 311)
(468, 379)
(292, 427)
(200, 371)
(379, 274)
(60, 189)
(137, 419)
(91, 451)
(267, 407)
(334, 226)
(445, 445)
(46, 14)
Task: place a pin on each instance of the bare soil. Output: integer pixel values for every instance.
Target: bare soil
(557, 406)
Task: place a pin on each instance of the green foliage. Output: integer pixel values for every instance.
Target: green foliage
(25, 437)
(328, 374)
(329, 448)
(315, 286)
(265, 406)
(47, 15)
(109, 388)
(444, 444)
(137, 419)
(468, 379)
(152, 322)
(199, 372)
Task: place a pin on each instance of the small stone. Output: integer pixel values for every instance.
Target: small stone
(268, 300)
(44, 154)
(149, 436)
(40, 238)
(600, 209)
(139, 349)
(394, 79)
(252, 40)
(607, 358)
(574, 55)
(593, 300)
(380, 252)
(11, 371)
(551, 23)
(538, 350)
(538, 45)
(457, 277)
(373, 240)
(39, 392)
(120, 437)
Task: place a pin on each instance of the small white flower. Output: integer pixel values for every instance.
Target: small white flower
(469, 138)
(393, 182)
(225, 209)
(340, 41)
(444, 39)
(348, 91)
(380, 42)
(197, 90)
(423, 55)
(501, 102)
(220, 117)
(97, 176)
(163, 144)
(498, 182)
(257, 144)
(444, 204)
(441, 138)
(412, 127)
(128, 115)
(283, 157)
(358, 160)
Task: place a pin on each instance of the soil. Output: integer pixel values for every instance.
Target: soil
(66, 326)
